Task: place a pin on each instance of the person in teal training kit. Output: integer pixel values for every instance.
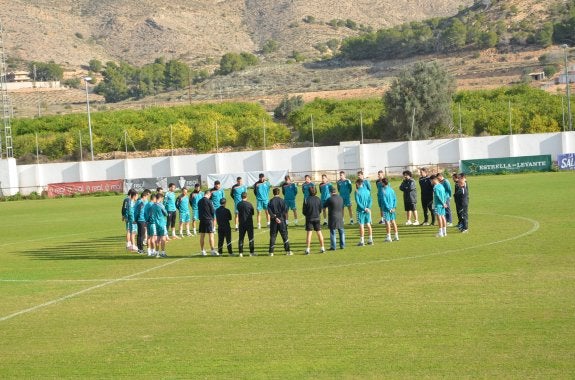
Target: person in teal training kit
(183, 205)
(131, 224)
(305, 186)
(217, 195)
(262, 191)
(289, 191)
(344, 187)
(389, 206)
(170, 205)
(439, 204)
(236, 194)
(379, 185)
(159, 215)
(448, 193)
(195, 197)
(363, 209)
(325, 193)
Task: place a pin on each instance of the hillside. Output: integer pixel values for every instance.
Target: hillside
(74, 31)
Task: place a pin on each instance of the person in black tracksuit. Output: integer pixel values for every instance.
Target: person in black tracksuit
(455, 178)
(426, 196)
(245, 224)
(223, 217)
(206, 213)
(462, 202)
(409, 197)
(277, 210)
(312, 209)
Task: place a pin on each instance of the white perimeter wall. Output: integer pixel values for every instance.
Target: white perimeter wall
(371, 157)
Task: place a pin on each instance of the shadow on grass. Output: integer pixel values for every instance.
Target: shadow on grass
(106, 248)
(111, 247)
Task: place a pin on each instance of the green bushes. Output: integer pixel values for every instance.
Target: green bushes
(484, 112)
(487, 111)
(232, 62)
(336, 121)
(192, 127)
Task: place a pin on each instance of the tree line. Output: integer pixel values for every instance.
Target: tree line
(422, 104)
(472, 28)
(238, 125)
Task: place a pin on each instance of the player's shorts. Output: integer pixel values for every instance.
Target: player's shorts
(380, 203)
(346, 200)
(389, 216)
(439, 210)
(363, 217)
(290, 203)
(195, 213)
(324, 203)
(152, 231)
(312, 225)
(161, 230)
(262, 205)
(206, 227)
(410, 206)
(131, 227)
(171, 219)
(184, 217)
(236, 206)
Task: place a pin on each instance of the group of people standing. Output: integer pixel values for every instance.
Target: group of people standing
(150, 218)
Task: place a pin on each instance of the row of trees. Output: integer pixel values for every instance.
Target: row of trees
(422, 104)
(123, 81)
(471, 28)
(239, 125)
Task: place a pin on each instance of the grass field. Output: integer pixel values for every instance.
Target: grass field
(495, 303)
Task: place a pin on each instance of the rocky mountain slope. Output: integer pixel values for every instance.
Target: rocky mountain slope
(137, 31)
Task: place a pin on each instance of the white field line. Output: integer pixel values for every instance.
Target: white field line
(87, 290)
(534, 228)
(75, 294)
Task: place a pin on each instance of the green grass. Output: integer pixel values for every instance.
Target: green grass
(497, 302)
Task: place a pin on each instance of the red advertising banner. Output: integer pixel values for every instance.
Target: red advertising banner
(69, 188)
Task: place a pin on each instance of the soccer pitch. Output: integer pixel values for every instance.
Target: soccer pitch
(496, 302)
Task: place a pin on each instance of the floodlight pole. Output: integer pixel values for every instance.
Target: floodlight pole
(172, 138)
(510, 127)
(412, 125)
(312, 134)
(563, 112)
(190, 84)
(86, 79)
(264, 134)
(37, 151)
(217, 142)
(567, 87)
(361, 124)
(460, 129)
